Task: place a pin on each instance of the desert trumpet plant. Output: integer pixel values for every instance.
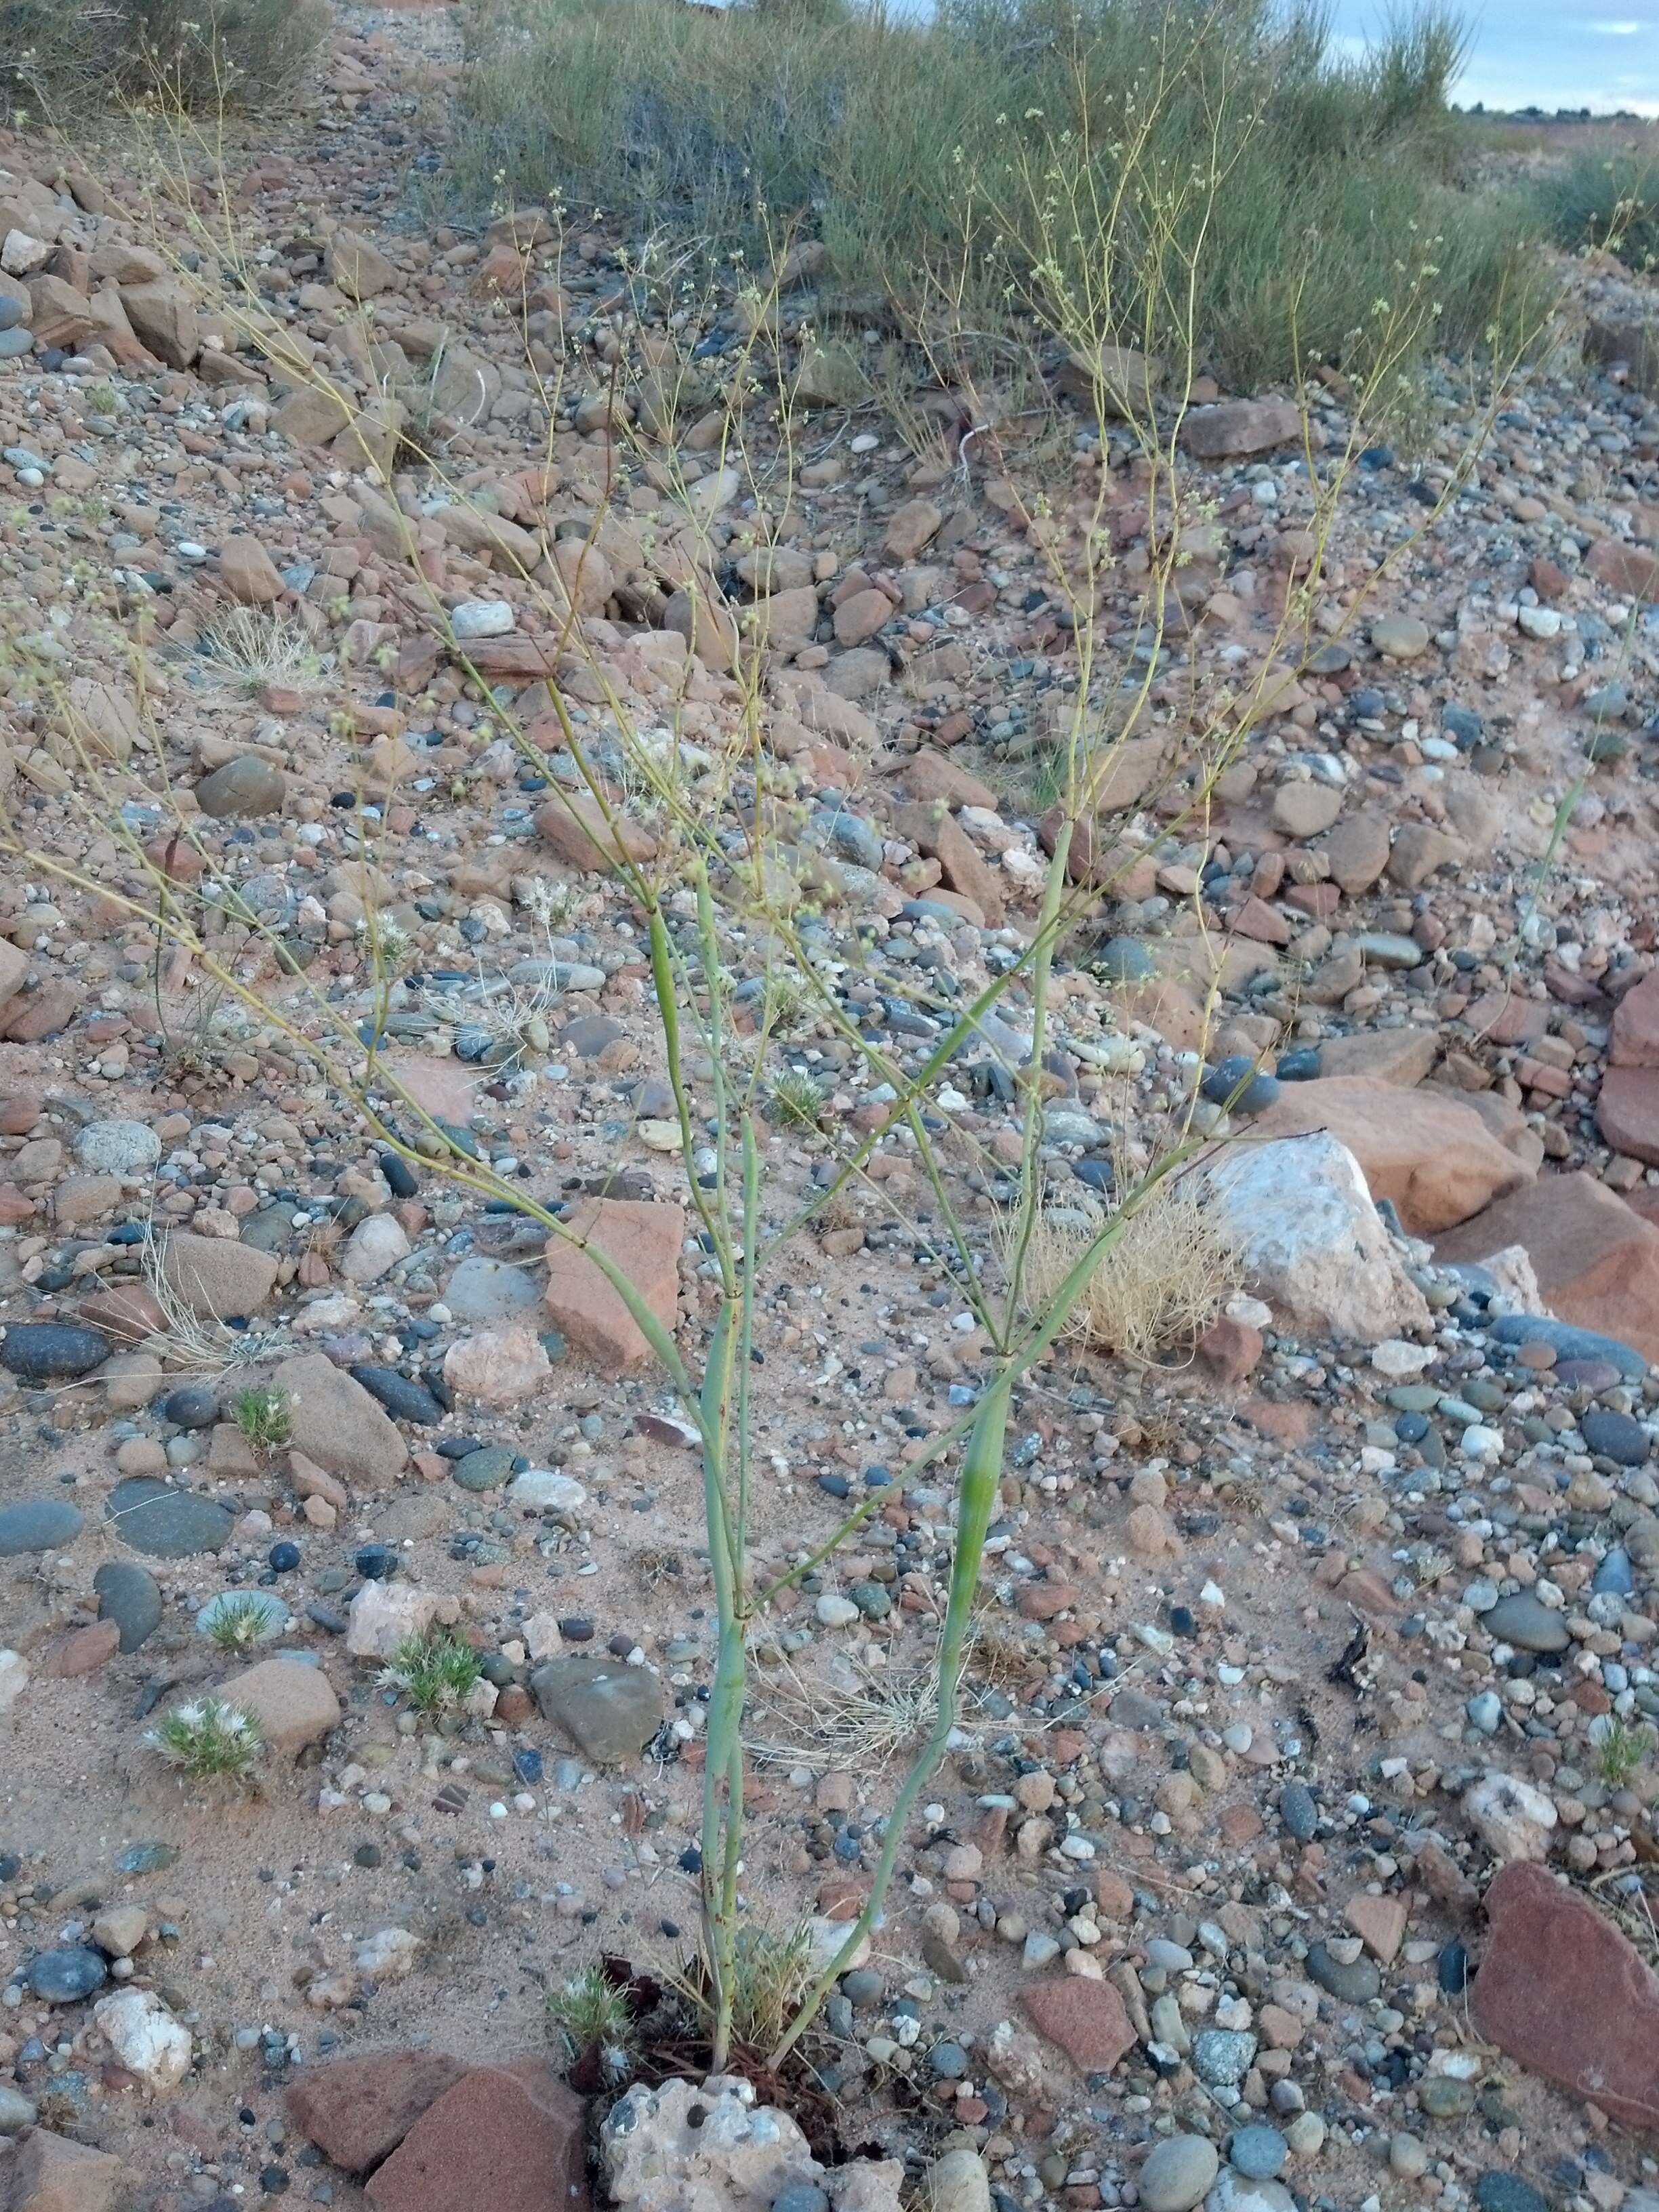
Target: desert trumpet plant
(721, 884)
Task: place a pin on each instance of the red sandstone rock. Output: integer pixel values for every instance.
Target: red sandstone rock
(1086, 2019)
(1561, 1990)
(506, 2139)
(359, 2110)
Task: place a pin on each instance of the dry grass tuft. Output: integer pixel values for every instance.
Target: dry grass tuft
(1169, 1275)
(858, 1722)
(257, 646)
(188, 1344)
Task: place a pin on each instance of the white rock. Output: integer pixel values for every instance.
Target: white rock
(1398, 1360)
(1313, 1244)
(383, 1614)
(22, 253)
(1514, 1818)
(481, 618)
(390, 1955)
(14, 1678)
(737, 2156)
(376, 1243)
(145, 2037)
(545, 1490)
(835, 1611)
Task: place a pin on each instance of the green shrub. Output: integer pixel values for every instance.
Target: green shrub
(1606, 197)
(196, 54)
(917, 150)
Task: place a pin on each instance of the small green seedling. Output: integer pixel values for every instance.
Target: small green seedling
(590, 2015)
(436, 1672)
(238, 1623)
(263, 1417)
(209, 1741)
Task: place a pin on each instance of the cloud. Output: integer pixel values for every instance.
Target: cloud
(1623, 28)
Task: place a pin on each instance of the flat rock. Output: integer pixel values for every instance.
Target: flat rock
(502, 2140)
(129, 1595)
(293, 1701)
(38, 1524)
(357, 2111)
(1563, 1992)
(1084, 2019)
(164, 1522)
(218, 1277)
(640, 1238)
(334, 1421)
(482, 1289)
(48, 2173)
(1526, 1622)
(1595, 1259)
(610, 1710)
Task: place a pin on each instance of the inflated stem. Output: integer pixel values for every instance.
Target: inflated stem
(976, 1500)
(723, 1748)
(981, 1479)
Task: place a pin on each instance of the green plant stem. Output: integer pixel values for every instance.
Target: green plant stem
(723, 1737)
(982, 1479)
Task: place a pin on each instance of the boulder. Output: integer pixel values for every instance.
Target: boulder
(382, 1614)
(1627, 1112)
(145, 2037)
(1636, 1025)
(247, 571)
(1312, 1241)
(574, 829)
(164, 317)
(643, 1239)
(498, 1366)
(1595, 1259)
(1424, 1151)
(356, 268)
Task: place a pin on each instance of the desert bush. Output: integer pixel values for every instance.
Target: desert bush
(1605, 197)
(200, 54)
(1304, 180)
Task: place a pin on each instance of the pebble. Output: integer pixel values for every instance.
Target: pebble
(66, 1976)
(1355, 1982)
(1258, 2152)
(1526, 1622)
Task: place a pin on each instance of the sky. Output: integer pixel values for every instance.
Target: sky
(1599, 54)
